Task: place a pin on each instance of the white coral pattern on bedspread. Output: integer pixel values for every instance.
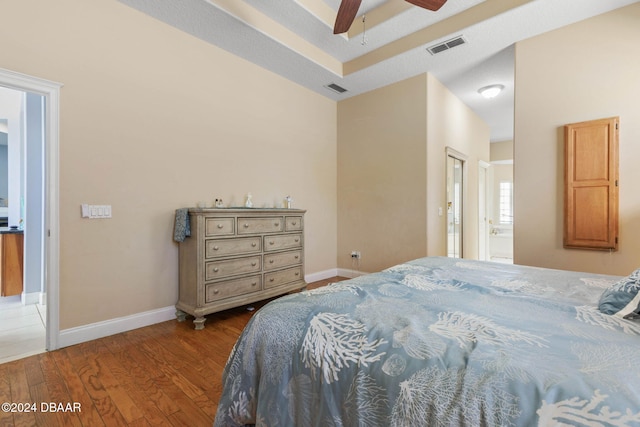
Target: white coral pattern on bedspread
(438, 342)
(335, 340)
(593, 316)
(470, 328)
(428, 398)
(591, 413)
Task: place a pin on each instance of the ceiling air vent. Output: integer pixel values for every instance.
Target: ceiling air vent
(334, 87)
(449, 44)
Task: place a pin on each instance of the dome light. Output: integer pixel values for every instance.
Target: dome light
(490, 91)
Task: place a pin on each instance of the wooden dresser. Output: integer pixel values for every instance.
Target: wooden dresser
(237, 256)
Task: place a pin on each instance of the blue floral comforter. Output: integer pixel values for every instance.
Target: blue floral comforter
(438, 342)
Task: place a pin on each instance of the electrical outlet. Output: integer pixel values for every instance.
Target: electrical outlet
(356, 254)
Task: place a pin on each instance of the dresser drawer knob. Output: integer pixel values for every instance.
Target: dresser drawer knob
(254, 283)
(216, 291)
(215, 248)
(254, 244)
(297, 240)
(297, 273)
(253, 264)
(293, 222)
(272, 279)
(276, 224)
(271, 242)
(246, 225)
(215, 270)
(220, 225)
(297, 256)
(270, 261)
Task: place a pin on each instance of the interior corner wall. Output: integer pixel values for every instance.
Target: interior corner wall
(391, 172)
(585, 71)
(153, 119)
(382, 176)
(451, 123)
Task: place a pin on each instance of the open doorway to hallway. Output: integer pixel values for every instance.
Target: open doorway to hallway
(22, 300)
(48, 244)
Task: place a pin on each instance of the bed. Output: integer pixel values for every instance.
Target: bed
(442, 342)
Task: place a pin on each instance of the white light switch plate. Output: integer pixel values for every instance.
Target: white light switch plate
(95, 211)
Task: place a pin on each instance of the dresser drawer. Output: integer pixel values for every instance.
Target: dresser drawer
(219, 227)
(225, 247)
(282, 241)
(277, 278)
(293, 223)
(231, 267)
(232, 288)
(260, 225)
(282, 259)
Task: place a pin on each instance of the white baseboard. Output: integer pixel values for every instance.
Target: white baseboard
(103, 329)
(320, 275)
(30, 298)
(344, 272)
(97, 330)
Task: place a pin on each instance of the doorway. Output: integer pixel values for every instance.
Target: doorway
(22, 305)
(455, 202)
(41, 184)
(501, 222)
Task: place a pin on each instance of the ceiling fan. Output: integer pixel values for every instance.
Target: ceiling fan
(349, 9)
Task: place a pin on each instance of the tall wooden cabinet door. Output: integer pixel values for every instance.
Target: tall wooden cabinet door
(591, 185)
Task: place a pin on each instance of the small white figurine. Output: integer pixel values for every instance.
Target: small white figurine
(248, 203)
(288, 199)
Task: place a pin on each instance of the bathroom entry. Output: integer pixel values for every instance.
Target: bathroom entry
(455, 201)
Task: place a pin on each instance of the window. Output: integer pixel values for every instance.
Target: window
(506, 202)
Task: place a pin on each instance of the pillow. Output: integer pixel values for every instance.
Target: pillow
(622, 299)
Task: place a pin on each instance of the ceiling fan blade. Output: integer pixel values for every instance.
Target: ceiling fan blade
(346, 14)
(428, 4)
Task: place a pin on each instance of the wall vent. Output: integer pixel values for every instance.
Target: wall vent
(334, 87)
(449, 44)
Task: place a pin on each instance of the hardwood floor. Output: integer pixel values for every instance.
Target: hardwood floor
(165, 374)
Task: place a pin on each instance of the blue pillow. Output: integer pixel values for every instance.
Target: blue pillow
(622, 299)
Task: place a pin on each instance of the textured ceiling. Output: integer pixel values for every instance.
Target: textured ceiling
(295, 39)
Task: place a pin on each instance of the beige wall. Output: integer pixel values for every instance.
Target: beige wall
(153, 119)
(501, 151)
(585, 71)
(382, 175)
(391, 172)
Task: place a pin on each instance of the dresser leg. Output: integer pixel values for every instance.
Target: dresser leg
(198, 323)
(181, 315)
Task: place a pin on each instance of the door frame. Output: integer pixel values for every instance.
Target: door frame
(483, 210)
(51, 240)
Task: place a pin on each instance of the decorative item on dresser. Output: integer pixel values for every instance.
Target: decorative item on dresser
(236, 256)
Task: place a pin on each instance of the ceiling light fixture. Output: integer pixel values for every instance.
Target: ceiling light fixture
(490, 91)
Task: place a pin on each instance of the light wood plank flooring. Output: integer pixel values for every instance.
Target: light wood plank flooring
(22, 330)
(166, 374)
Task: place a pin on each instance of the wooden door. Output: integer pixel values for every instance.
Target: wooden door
(591, 185)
